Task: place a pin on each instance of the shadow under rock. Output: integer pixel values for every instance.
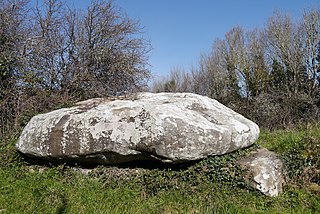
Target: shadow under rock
(89, 164)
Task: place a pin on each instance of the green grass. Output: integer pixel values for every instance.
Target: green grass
(213, 185)
(299, 150)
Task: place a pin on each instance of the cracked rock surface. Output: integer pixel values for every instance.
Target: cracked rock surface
(265, 171)
(171, 127)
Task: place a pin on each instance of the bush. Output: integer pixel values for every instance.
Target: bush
(17, 109)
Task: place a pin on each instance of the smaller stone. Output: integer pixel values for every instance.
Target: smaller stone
(265, 171)
(85, 171)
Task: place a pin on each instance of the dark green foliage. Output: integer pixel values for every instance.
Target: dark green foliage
(225, 170)
(160, 180)
(278, 77)
(299, 151)
(217, 170)
(302, 160)
(9, 157)
(8, 58)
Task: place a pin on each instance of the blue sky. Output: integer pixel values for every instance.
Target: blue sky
(180, 30)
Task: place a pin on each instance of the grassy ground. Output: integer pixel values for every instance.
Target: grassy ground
(213, 185)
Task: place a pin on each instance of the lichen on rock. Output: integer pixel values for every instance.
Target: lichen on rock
(265, 171)
(171, 127)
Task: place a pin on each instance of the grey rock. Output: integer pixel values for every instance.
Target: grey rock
(265, 171)
(171, 127)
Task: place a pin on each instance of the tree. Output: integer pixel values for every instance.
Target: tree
(12, 34)
(13, 31)
(93, 53)
(270, 75)
(211, 78)
(245, 58)
(53, 55)
(311, 50)
(177, 81)
(284, 40)
(111, 53)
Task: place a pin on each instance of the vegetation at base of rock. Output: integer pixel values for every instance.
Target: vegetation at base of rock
(217, 171)
(299, 150)
(213, 185)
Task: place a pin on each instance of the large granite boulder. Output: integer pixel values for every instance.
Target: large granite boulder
(171, 127)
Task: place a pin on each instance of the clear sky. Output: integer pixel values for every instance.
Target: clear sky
(180, 30)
